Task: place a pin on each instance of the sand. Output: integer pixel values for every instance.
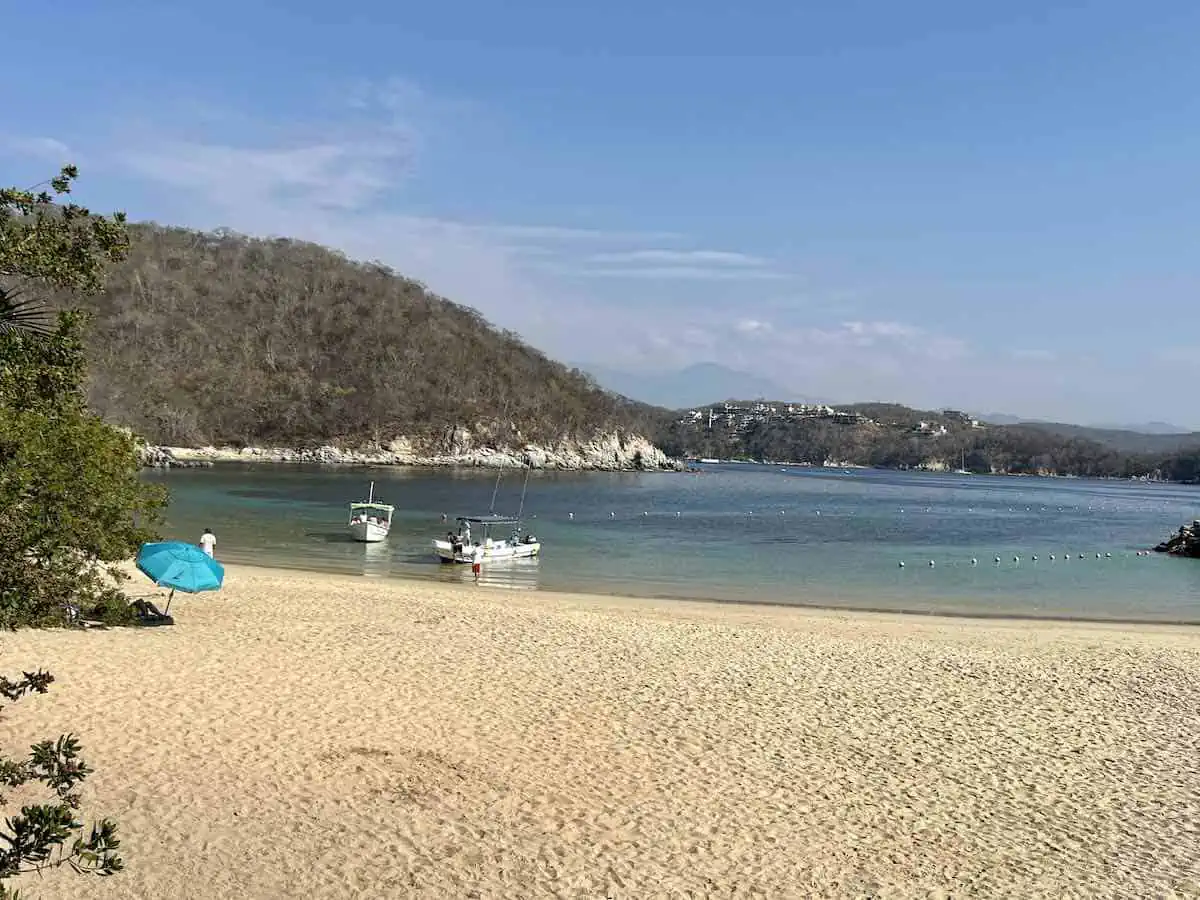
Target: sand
(308, 735)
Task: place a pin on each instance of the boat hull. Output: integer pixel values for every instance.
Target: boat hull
(498, 552)
(368, 532)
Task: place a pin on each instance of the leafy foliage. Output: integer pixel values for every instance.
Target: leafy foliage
(71, 503)
(70, 497)
(218, 338)
(48, 835)
(61, 245)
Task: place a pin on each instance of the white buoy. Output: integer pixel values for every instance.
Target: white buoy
(1081, 555)
(997, 560)
(1097, 556)
(931, 564)
(678, 514)
(781, 512)
(974, 561)
(612, 515)
(570, 515)
(1016, 559)
(818, 512)
(644, 513)
(1109, 555)
(902, 564)
(1051, 557)
(1034, 557)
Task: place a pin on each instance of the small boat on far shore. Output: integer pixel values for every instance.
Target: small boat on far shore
(370, 521)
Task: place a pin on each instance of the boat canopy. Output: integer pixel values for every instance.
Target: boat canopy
(380, 506)
(490, 519)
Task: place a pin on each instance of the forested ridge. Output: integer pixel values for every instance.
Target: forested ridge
(217, 338)
(891, 438)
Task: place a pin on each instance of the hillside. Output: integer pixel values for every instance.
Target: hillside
(1121, 439)
(893, 436)
(216, 338)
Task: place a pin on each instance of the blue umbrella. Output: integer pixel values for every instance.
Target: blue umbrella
(181, 567)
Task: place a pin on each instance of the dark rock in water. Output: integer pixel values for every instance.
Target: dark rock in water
(1185, 542)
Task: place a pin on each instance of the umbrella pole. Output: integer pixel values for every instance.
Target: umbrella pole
(169, 596)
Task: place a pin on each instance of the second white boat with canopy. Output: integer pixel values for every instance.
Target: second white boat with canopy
(497, 537)
(462, 546)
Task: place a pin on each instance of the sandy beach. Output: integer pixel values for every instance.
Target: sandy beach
(312, 735)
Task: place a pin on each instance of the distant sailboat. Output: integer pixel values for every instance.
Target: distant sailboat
(962, 467)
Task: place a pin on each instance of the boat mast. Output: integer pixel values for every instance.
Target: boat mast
(521, 508)
(371, 493)
(492, 510)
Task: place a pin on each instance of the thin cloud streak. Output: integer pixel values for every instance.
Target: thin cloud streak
(37, 147)
(681, 257)
(693, 273)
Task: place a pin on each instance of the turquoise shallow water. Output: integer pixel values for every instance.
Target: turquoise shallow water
(737, 532)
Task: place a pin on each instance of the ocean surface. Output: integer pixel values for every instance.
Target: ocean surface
(821, 537)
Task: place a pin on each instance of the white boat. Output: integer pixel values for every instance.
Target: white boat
(461, 547)
(370, 521)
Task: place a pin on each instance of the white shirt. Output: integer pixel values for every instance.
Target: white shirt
(208, 541)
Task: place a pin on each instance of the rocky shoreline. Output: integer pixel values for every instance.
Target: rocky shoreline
(459, 447)
(1185, 542)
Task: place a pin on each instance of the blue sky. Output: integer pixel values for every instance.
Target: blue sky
(992, 206)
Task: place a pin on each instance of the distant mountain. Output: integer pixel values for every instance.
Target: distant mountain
(1141, 428)
(1146, 428)
(1122, 440)
(1002, 419)
(695, 385)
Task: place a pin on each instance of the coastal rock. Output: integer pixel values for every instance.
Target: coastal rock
(1185, 542)
(457, 446)
(164, 458)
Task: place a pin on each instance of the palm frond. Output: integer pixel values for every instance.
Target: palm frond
(28, 316)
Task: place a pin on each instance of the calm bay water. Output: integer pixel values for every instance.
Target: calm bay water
(736, 532)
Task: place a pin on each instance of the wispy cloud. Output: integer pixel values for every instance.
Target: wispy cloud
(1034, 355)
(681, 257)
(40, 148)
(688, 273)
(346, 176)
(660, 264)
(752, 326)
(1180, 357)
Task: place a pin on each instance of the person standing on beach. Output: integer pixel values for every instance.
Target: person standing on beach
(208, 542)
(477, 562)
